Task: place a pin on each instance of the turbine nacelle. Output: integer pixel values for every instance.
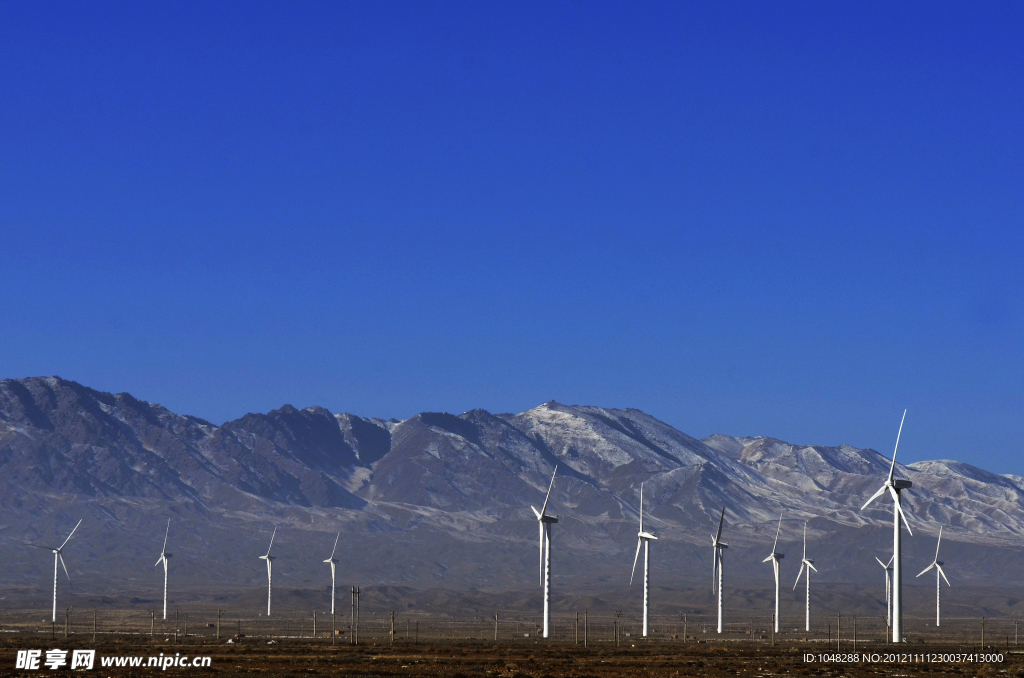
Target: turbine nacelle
(646, 535)
(544, 518)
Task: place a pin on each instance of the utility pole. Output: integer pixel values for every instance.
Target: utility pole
(577, 628)
(67, 614)
(392, 627)
(314, 623)
(839, 626)
(152, 623)
(982, 634)
(586, 626)
(175, 625)
(186, 628)
(352, 625)
(357, 615)
(854, 633)
(684, 628)
(495, 627)
(218, 623)
(94, 624)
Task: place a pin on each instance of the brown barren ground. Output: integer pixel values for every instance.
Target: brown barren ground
(527, 659)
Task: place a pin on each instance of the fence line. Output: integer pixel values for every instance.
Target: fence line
(192, 625)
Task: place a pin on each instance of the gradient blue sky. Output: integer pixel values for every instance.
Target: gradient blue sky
(784, 219)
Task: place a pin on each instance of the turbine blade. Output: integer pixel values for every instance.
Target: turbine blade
(166, 532)
(943, 574)
(158, 560)
(272, 540)
(875, 496)
(892, 469)
(798, 575)
(335, 549)
(714, 572)
(926, 569)
(39, 546)
(540, 544)
(641, 511)
(805, 540)
(896, 499)
(544, 508)
(69, 537)
(939, 543)
(635, 558)
(880, 562)
(890, 562)
(768, 558)
(777, 530)
(61, 559)
(811, 565)
(720, 521)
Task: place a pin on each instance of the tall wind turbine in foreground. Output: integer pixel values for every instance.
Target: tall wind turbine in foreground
(775, 557)
(57, 557)
(888, 589)
(937, 564)
(643, 538)
(808, 565)
(893, 487)
(716, 576)
(544, 522)
(333, 561)
(270, 568)
(164, 555)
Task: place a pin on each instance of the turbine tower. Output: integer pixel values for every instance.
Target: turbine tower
(333, 561)
(643, 538)
(775, 557)
(57, 557)
(893, 487)
(544, 522)
(164, 555)
(937, 564)
(808, 565)
(716, 575)
(270, 568)
(888, 589)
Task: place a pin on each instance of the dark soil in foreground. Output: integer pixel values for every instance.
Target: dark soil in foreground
(526, 660)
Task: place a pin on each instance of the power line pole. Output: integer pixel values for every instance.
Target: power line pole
(218, 623)
(392, 627)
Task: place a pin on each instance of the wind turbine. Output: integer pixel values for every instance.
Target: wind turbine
(716, 576)
(937, 564)
(333, 561)
(270, 568)
(164, 555)
(57, 557)
(544, 523)
(775, 557)
(643, 538)
(808, 565)
(888, 589)
(893, 487)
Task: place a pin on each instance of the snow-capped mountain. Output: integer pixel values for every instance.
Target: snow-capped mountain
(444, 499)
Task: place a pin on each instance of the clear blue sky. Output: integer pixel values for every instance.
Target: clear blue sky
(752, 218)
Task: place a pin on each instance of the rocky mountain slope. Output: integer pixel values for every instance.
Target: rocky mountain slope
(443, 500)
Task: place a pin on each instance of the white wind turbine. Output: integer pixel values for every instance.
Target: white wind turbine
(937, 564)
(775, 557)
(270, 568)
(808, 565)
(57, 557)
(888, 589)
(544, 522)
(893, 487)
(716, 576)
(164, 555)
(643, 538)
(333, 561)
